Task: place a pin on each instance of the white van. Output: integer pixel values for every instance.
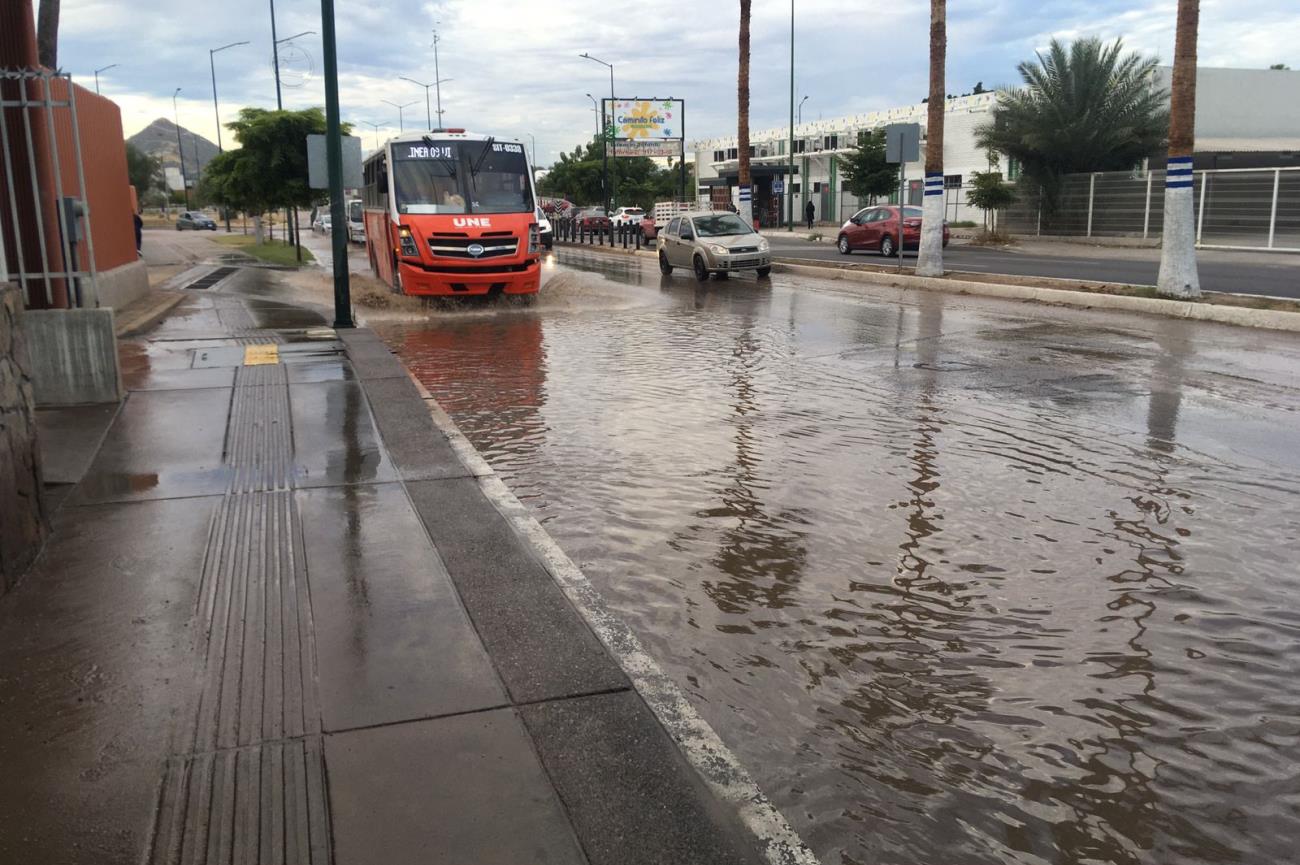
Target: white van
(356, 221)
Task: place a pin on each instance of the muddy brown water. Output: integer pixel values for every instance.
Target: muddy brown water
(960, 582)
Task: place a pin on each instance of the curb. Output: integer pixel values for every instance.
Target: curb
(1239, 316)
(162, 301)
(723, 773)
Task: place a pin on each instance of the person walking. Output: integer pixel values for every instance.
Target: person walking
(809, 213)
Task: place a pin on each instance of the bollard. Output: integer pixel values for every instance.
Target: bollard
(622, 229)
(639, 233)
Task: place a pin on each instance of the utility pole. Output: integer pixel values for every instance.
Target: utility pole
(180, 150)
(212, 65)
(334, 156)
(437, 76)
(789, 175)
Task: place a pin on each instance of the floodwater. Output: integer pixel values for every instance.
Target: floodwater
(960, 581)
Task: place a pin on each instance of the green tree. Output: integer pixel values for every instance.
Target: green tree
(990, 193)
(865, 168)
(576, 176)
(143, 171)
(1279, 66)
(1088, 107)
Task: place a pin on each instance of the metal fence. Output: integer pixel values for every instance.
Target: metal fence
(43, 191)
(1245, 208)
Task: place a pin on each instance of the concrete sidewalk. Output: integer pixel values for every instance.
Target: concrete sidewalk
(279, 622)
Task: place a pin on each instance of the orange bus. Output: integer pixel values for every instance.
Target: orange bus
(450, 212)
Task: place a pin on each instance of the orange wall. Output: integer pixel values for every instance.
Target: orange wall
(103, 155)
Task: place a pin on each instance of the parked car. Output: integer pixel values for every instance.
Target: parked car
(628, 216)
(876, 229)
(593, 219)
(545, 233)
(193, 220)
(711, 242)
(649, 231)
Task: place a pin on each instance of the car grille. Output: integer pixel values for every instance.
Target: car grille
(458, 247)
(736, 250)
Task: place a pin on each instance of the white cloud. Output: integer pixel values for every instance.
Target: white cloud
(516, 70)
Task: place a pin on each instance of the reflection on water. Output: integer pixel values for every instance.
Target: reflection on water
(950, 585)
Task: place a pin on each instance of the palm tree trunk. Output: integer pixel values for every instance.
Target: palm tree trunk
(742, 115)
(1178, 276)
(929, 259)
(47, 34)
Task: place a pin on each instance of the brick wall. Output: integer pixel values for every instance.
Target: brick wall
(23, 524)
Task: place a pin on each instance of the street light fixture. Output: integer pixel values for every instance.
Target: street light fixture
(102, 69)
(801, 102)
(401, 125)
(612, 192)
(375, 127)
(595, 109)
(428, 117)
(180, 150)
(212, 65)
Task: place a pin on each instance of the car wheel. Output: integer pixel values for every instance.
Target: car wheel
(887, 246)
(764, 272)
(701, 272)
(664, 267)
(843, 244)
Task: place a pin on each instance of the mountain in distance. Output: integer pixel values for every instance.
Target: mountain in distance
(159, 139)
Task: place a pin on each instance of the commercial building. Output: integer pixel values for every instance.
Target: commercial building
(1245, 118)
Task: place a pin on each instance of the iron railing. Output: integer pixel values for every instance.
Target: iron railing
(29, 199)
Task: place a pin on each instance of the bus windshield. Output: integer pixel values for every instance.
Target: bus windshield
(461, 177)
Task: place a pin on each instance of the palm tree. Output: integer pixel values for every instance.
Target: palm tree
(929, 258)
(47, 34)
(1178, 277)
(742, 119)
(1085, 107)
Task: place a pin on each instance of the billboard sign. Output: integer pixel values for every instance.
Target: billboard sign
(648, 119)
(648, 148)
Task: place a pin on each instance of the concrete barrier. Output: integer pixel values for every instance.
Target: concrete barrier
(73, 356)
(23, 522)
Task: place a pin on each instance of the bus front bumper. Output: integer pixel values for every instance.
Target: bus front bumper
(427, 281)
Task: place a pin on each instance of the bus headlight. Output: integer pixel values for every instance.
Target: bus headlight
(408, 243)
(534, 240)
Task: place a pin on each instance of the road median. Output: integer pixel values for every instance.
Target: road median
(1238, 310)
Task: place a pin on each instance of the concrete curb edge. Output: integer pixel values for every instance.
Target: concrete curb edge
(1239, 316)
(698, 742)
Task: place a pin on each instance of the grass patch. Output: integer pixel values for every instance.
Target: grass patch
(271, 251)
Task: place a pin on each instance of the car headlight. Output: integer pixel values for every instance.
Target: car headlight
(763, 245)
(717, 249)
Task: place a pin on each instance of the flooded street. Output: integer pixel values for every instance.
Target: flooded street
(960, 581)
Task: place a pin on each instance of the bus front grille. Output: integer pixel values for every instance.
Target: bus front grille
(458, 247)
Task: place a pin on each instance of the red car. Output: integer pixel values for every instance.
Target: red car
(876, 229)
(593, 219)
(649, 231)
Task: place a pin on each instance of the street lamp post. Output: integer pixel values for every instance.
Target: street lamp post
(595, 109)
(801, 102)
(437, 76)
(180, 150)
(291, 215)
(612, 192)
(401, 125)
(375, 127)
(428, 116)
(102, 69)
(216, 109)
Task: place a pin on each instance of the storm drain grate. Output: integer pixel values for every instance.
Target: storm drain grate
(212, 278)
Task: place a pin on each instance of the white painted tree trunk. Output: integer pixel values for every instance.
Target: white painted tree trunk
(259, 236)
(929, 259)
(1178, 276)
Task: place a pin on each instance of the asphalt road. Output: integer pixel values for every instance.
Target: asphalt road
(1272, 274)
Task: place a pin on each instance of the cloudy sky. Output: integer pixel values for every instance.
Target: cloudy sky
(516, 70)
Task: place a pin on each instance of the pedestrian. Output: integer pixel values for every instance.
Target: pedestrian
(809, 212)
(139, 232)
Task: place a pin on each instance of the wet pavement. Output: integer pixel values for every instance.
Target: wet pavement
(279, 622)
(960, 580)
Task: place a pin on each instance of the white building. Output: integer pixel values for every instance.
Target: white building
(818, 148)
(1244, 118)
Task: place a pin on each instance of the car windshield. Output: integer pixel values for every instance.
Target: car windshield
(596, 212)
(720, 225)
(354, 211)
